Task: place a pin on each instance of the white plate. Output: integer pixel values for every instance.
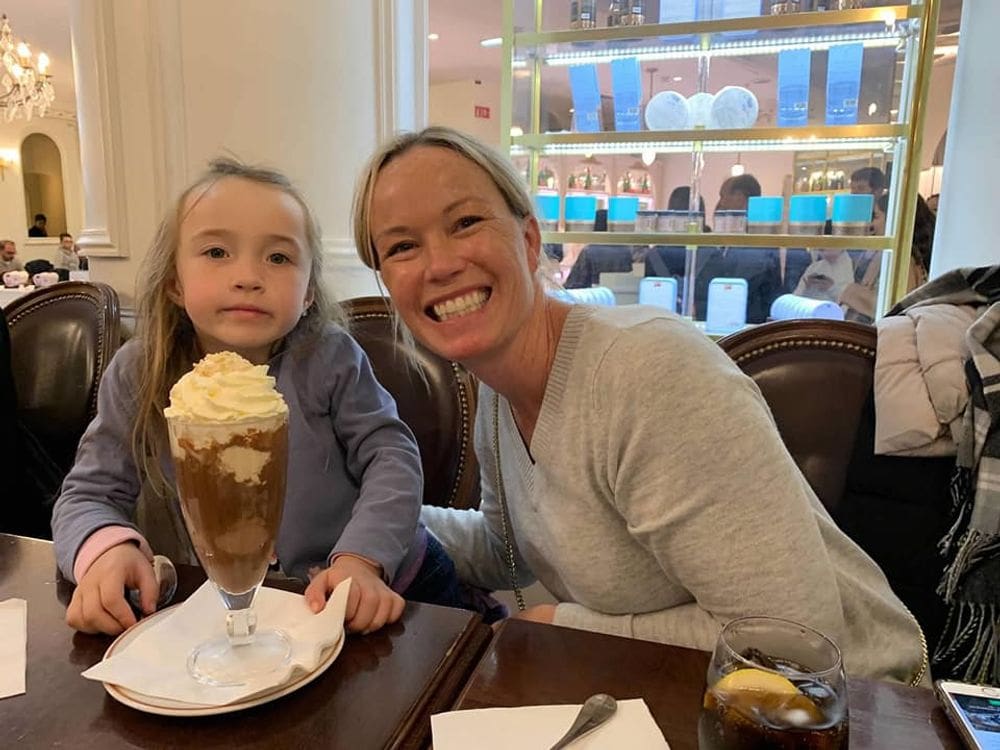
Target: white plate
(166, 707)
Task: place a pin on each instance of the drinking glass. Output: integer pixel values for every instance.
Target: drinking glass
(231, 485)
(774, 684)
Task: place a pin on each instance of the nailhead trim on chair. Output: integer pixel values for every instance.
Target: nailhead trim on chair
(805, 343)
(463, 398)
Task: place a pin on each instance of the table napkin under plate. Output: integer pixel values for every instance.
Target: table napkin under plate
(631, 727)
(13, 645)
(155, 662)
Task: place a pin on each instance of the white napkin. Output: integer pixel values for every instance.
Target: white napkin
(155, 663)
(13, 644)
(632, 726)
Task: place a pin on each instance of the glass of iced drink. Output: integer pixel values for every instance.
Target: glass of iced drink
(774, 684)
(228, 431)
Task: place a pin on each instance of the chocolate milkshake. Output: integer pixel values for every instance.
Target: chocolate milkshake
(229, 440)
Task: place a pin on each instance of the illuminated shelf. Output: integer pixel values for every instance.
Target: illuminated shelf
(872, 27)
(710, 239)
(820, 138)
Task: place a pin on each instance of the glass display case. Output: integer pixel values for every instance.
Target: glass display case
(704, 94)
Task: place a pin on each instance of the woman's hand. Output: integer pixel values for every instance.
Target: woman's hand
(539, 613)
(98, 604)
(370, 603)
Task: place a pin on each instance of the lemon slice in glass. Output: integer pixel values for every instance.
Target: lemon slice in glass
(756, 680)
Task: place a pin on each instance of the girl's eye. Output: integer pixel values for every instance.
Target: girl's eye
(278, 258)
(215, 252)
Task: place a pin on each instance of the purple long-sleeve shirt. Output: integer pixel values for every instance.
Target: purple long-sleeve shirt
(354, 477)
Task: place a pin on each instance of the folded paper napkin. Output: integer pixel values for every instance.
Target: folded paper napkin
(632, 726)
(13, 642)
(155, 662)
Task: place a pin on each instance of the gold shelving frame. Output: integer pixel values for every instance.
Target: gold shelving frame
(909, 133)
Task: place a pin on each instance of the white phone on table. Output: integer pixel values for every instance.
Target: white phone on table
(974, 710)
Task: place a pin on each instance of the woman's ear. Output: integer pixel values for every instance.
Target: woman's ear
(532, 241)
(308, 300)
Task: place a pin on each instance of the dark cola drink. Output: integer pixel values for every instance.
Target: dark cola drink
(774, 684)
(756, 709)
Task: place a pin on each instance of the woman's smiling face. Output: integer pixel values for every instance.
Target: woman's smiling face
(457, 262)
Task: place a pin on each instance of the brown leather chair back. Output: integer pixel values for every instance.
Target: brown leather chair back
(439, 407)
(816, 376)
(61, 339)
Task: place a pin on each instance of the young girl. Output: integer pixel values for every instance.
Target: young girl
(236, 267)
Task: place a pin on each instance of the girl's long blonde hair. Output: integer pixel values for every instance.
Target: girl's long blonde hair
(166, 334)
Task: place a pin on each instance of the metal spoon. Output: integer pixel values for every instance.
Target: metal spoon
(596, 710)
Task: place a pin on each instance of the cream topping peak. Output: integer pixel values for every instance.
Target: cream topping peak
(224, 387)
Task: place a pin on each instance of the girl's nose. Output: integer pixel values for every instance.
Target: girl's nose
(247, 277)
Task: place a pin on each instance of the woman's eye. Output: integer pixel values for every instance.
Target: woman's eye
(278, 258)
(399, 247)
(215, 252)
(467, 221)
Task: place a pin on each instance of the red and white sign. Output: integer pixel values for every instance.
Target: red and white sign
(483, 113)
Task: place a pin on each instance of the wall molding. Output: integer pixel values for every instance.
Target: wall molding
(105, 219)
(401, 66)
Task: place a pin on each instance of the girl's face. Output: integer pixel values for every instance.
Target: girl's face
(243, 266)
(458, 264)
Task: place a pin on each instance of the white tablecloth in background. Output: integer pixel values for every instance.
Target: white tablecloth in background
(9, 295)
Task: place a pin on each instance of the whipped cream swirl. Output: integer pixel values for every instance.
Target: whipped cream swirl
(224, 387)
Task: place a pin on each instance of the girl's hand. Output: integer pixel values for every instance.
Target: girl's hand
(98, 604)
(370, 604)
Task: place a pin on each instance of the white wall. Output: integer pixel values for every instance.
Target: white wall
(13, 207)
(165, 86)
(453, 104)
(965, 234)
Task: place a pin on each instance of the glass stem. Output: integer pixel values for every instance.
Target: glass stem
(240, 626)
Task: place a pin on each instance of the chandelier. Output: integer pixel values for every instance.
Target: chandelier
(25, 87)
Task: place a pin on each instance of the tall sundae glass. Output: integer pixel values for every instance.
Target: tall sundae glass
(228, 429)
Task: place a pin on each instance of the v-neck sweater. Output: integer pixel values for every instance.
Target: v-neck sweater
(657, 501)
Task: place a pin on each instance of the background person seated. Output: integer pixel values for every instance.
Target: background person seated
(38, 228)
(8, 257)
(595, 259)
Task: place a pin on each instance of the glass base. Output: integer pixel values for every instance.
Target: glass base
(219, 663)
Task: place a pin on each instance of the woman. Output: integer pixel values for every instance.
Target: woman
(859, 299)
(626, 463)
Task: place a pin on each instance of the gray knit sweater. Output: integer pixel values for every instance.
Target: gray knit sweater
(657, 501)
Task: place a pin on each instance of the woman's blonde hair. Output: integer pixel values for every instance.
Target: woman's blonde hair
(166, 334)
(496, 166)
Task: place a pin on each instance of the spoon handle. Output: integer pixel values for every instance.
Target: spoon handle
(597, 710)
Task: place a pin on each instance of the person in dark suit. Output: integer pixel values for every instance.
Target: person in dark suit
(596, 259)
(38, 228)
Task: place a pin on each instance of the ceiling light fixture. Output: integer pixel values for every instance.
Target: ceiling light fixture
(26, 86)
(433, 37)
(491, 42)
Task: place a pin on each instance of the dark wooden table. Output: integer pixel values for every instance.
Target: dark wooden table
(528, 663)
(379, 693)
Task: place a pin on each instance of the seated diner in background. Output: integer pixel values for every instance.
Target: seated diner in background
(627, 464)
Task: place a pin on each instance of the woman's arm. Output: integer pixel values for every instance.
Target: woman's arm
(700, 476)
(474, 538)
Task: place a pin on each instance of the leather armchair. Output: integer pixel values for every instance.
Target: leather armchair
(62, 338)
(817, 377)
(438, 405)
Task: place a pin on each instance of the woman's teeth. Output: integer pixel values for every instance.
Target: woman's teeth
(459, 306)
